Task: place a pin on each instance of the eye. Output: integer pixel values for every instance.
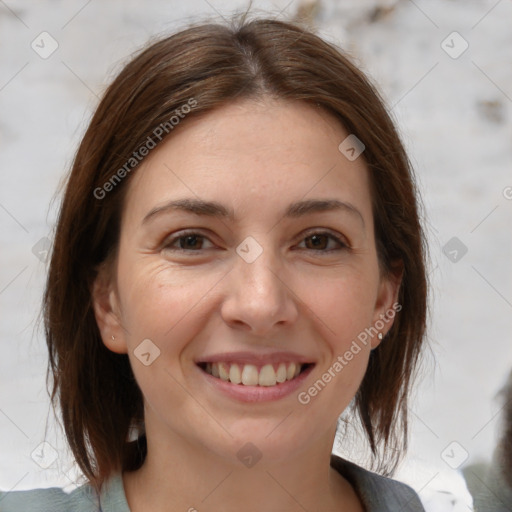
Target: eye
(188, 241)
(319, 241)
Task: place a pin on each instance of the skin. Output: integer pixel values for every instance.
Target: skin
(255, 157)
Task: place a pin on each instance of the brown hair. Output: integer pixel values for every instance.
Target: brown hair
(214, 64)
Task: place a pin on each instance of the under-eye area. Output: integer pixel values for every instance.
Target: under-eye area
(249, 374)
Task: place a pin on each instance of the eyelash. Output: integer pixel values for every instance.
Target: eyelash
(343, 245)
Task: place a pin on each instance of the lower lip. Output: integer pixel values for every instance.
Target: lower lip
(257, 393)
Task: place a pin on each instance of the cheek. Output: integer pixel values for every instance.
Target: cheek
(343, 302)
(344, 307)
(167, 304)
(158, 301)
(345, 313)
(162, 305)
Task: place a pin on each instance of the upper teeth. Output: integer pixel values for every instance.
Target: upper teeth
(250, 375)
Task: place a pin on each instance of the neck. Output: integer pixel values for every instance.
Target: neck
(191, 478)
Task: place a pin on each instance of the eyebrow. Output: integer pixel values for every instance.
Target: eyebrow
(217, 210)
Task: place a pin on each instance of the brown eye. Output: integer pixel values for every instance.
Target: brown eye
(320, 242)
(189, 242)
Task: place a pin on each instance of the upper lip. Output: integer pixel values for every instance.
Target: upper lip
(255, 358)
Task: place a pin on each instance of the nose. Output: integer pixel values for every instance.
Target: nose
(258, 297)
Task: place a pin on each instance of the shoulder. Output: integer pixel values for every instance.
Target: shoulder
(378, 493)
(54, 499)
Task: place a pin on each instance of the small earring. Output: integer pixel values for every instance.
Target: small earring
(380, 336)
(113, 338)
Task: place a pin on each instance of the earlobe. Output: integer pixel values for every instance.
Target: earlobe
(386, 306)
(107, 314)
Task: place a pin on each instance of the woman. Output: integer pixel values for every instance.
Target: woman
(238, 260)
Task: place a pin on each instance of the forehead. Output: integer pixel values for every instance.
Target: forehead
(257, 155)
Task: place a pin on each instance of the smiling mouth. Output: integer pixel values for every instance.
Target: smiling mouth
(266, 375)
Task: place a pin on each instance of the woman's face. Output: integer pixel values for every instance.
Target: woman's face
(254, 275)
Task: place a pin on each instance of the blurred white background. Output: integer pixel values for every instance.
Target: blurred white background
(453, 106)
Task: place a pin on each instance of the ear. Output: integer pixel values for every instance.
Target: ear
(106, 310)
(386, 305)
